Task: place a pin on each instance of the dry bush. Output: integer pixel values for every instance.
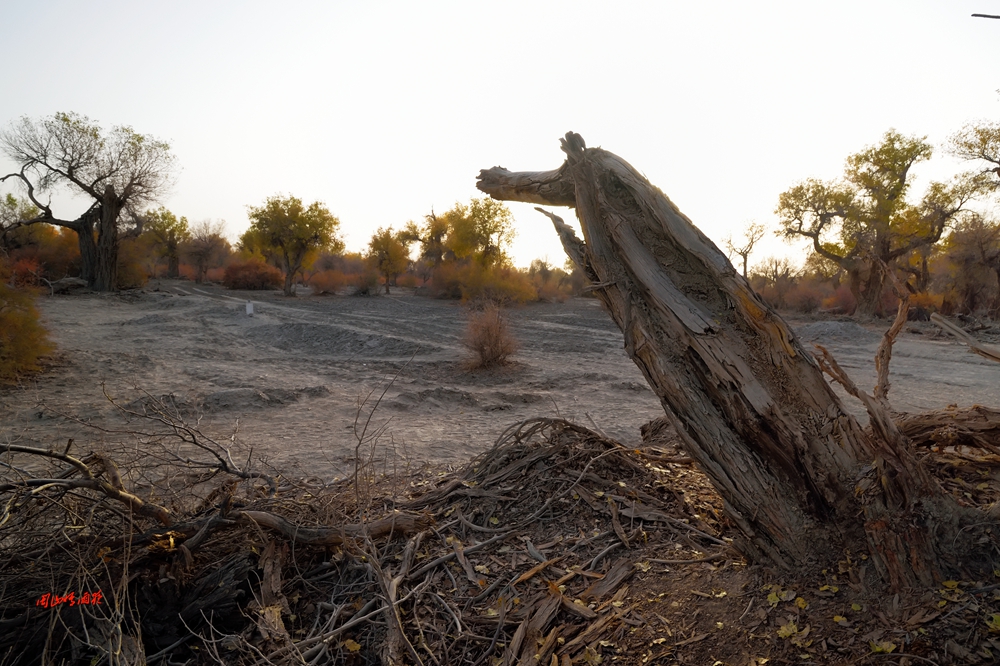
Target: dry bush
(252, 274)
(327, 282)
(841, 302)
(131, 272)
(407, 280)
(215, 274)
(25, 272)
(805, 297)
(366, 283)
(488, 337)
(471, 281)
(23, 340)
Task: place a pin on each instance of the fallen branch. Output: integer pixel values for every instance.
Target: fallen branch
(992, 352)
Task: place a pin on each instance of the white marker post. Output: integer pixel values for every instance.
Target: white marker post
(249, 308)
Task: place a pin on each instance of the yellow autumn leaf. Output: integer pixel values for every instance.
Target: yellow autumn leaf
(855, 607)
(801, 603)
(719, 625)
(352, 646)
(950, 584)
(787, 630)
(883, 647)
(994, 623)
(494, 521)
(839, 619)
(773, 599)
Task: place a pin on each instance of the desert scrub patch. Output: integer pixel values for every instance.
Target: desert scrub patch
(488, 337)
(23, 340)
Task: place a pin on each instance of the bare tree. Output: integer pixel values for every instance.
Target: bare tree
(798, 476)
(120, 171)
(205, 245)
(753, 233)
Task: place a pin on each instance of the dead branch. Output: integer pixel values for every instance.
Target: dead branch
(992, 352)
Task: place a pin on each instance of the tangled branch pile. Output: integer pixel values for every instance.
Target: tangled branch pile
(556, 546)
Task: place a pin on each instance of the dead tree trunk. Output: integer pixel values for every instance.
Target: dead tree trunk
(798, 475)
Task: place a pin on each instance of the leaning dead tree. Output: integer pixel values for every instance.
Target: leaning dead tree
(801, 479)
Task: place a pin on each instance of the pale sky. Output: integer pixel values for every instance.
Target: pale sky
(383, 110)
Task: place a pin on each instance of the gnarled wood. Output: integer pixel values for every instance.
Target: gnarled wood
(748, 401)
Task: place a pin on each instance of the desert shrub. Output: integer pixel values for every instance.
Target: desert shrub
(131, 271)
(366, 283)
(25, 272)
(472, 281)
(489, 338)
(408, 280)
(804, 298)
(841, 302)
(57, 251)
(251, 274)
(327, 282)
(23, 340)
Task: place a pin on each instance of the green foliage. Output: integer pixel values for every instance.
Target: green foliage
(287, 228)
(865, 219)
(14, 211)
(980, 143)
(166, 234)
(252, 274)
(388, 254)
(23, 340)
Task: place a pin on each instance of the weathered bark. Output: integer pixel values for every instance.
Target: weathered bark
(749, 402)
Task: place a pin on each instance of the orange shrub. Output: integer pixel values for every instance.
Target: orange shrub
(251, 274)
(23, 340)
(186, 272)
(842, 301)
(25, 273)
(489, 338)
(215, 274)
(327, 282)
(472, 281)
(408, 280)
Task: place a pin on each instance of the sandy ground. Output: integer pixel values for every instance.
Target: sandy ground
(292, 375)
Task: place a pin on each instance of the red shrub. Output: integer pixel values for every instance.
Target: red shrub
(842, 301)
(26, 272)
(408, 280)
(251, 274)
(327, 282)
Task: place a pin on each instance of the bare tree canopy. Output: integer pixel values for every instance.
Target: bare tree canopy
(799, 477)
(120, 170)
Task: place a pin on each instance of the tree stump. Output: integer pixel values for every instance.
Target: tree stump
(799, 477)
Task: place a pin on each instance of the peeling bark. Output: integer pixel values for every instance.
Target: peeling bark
(749, 402)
